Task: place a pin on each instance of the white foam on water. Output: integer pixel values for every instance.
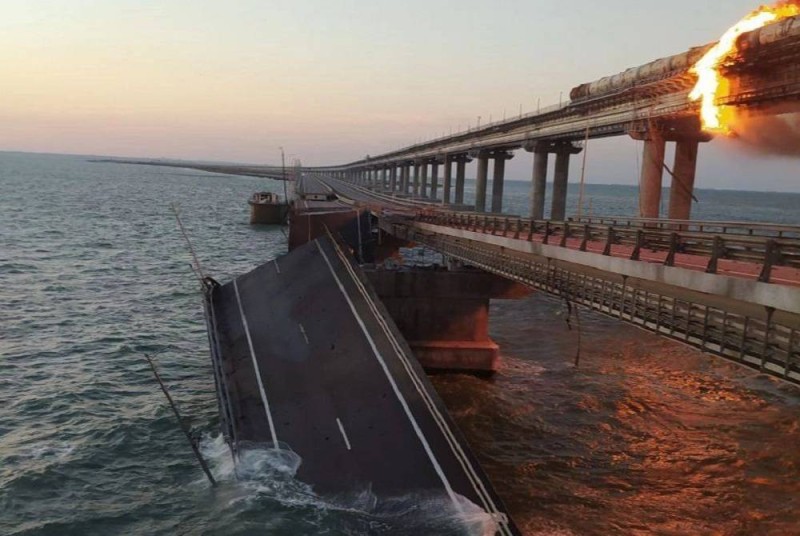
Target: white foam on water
(265, 473)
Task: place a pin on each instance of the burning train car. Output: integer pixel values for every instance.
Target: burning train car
(677, 67)
(650, 73)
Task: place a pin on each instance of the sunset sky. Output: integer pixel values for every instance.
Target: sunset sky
(333, 80)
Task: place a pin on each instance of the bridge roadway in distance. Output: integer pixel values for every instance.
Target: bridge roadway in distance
(305, 357)
(711, 285)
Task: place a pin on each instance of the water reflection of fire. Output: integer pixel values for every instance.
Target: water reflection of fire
(711, 84)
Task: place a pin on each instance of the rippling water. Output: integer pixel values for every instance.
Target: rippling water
(646, 436)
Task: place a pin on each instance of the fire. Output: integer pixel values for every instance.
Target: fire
(710, 81)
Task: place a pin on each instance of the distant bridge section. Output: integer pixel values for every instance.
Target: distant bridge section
(649, 103)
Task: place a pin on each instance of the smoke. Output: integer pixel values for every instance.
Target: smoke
(784, 3)
(774, 132)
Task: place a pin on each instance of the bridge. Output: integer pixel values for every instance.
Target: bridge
(649, 103)
(319, 354)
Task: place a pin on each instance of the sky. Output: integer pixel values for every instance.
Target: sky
(333, 81)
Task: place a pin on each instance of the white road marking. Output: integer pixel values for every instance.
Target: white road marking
(458, 452)
(344, 434)
(255, 367)
(277, 268)
(303, 331)
(395, 388)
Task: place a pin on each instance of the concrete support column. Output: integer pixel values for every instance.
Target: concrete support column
(448, 169)
(434, 180)
(406, 178)
(682, 187)
(423, 188)
(461, 170)
(652, 174)
(384, 179)
(415, 188)
(393, 179)
(480, 182)
(558, 210)
(539, 184)
(498, 179)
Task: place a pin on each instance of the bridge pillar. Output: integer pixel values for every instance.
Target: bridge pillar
(558, 210)
(652, 176)
(434, 179)
(498, 179)
(393, 179)
(423, 188)
(540, 158)
(461, 170)
(415, 188)
(406, 178)
(480, 182)
(682, 187)
(448, 169)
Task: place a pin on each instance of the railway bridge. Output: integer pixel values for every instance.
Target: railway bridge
(649, 103)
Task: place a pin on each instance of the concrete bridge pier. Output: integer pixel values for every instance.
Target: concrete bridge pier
(498, 179)
(461, 171)
(448, 169)
(540, 157)
(480, 181)
(558, 209)
(423, 186)
(393, 179)
(384, 179)
(403, 178)
(415, 188)
(434, 191)
(650, 182)
(682, 186)
(407, 175)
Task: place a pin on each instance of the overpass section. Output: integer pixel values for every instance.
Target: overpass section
(649, 103)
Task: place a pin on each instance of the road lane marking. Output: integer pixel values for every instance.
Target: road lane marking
(277, 268)
(303, 331)
(458, 452)
(420, 435)
(255, 367)
(344, 434)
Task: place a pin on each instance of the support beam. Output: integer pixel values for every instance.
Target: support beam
(498, 179)
(461, 170)
(558, 210)
(539, 184)
(416, 179)
(423, 187)
(434, 192)
(682, 187)
(448, 169)
(652, 175)
(393, 179)
(384, 179)
(480, 182)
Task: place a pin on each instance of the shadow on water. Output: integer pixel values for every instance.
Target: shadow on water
(647, 436)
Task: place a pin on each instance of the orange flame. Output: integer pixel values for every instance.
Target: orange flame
(710, 80)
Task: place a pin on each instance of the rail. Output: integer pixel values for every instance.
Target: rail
(760, 338)
(731, 241)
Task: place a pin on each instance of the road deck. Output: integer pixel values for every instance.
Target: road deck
(309, 359)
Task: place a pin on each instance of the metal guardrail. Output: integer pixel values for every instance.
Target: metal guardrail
(770, 230)
(736, 242)
(769, 342)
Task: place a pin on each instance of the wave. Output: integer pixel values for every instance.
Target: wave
(261, 473)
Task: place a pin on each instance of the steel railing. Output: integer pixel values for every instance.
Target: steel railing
(768, 246)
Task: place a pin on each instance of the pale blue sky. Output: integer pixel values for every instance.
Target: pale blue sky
(332, 80)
